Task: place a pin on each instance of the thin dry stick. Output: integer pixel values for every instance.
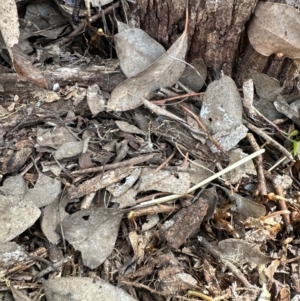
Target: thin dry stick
(281, 201)
(80, 28)
(132, 161)
(150, 197)
(173, 197)
(153, 210)
(262, 187)
(268, 139)
(139, 285)
(210, 137)
(160, 111)
(163, 101)
(236, 272)
(165, 162)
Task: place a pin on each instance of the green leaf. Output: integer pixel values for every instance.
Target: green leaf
(295, 148)
(293, 134)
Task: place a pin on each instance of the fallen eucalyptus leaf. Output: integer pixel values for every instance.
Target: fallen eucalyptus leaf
(164, 180)
(164, 72)
(274, 28)
(266, 87)
(9, 24)
(244, 170)
(83, 288)
(95, 99)
(25, 69)
(243, 206)
(136, 50)
(45, 191)
(240, 252)
(118, 189)
(17, 215)
(93, 232)
(222, 106)
(70, 149)
(128, 128)
(11, 254)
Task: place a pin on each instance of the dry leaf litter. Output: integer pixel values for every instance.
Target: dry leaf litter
(129, 174)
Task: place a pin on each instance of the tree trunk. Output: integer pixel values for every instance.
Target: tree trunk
(216, 34)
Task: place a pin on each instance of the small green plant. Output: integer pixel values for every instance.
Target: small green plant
(294, 138)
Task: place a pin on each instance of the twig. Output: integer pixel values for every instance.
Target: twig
(132, 161)
(281, 201)
(139, 285)
(269, 121)
(150, 197)
(163, 101)
(165, 162)
(262, 187)
(202, 126)
(160, 111)
(173, 197)
(80, 28)
(268, 139)
(152, 210)
(86, 202)
(236, 272)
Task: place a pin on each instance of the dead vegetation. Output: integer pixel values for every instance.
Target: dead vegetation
(129, 174)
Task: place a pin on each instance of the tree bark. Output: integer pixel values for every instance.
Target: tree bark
(216, 34)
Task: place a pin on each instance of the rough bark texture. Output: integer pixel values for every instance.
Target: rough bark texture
(215, 27)
(216, 34)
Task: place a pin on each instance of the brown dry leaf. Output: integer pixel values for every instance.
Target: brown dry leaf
(24, 68)
(164, 72)
(274, 28)
(9, 23)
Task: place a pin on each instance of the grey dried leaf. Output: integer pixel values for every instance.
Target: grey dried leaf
(118, 189)
(136, 50)
(164, 180)
(11, 254)
(45, 191)
(243, 206)
(83, 288)
(128, 128)
(266, 87)
(222, 106)
(87, 229)
(69, 150)
(242, 171)
(164, 72)
(9, 23)
(240, 252)
(95, 99)
(274, 28)
(17, 214)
